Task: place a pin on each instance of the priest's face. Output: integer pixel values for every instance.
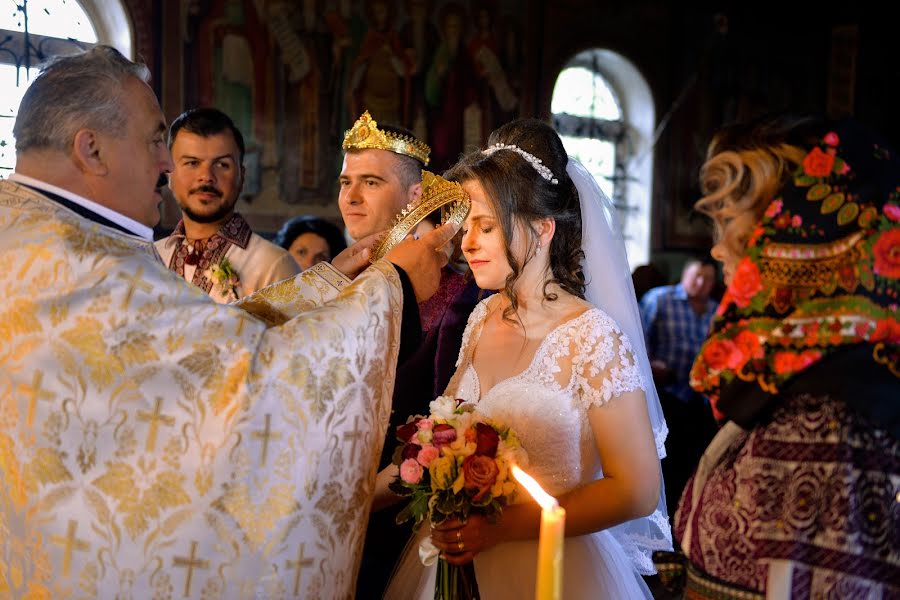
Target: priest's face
(372, 192)
(136, 162)
(208, 176)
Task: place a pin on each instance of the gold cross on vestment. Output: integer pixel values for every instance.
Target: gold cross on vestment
(70, 543)
(189, 563)
(298, 564)
(135, 281)
(35, 393)
(265, 435)
(154, 418)
(354, 435)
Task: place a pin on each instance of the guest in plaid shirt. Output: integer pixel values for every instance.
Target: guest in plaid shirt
(676, 320)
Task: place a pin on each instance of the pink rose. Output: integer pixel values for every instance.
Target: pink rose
(892, 212)
(480, 473)
(774, 208)
(796, 221)
(425, 424)
(443, 434)
(411, 471)
(427, 454)
(832, 139)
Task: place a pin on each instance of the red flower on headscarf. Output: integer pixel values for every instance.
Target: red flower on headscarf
(818, 163)
(886, 330)
(717, 353)
(748, 342)
(746, 283)
(887, 254)
(892, 211)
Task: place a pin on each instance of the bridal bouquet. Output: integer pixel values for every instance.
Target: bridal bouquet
(453, 463)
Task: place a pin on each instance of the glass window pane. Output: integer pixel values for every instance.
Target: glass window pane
(598, 157)
(52, 18)
(583, 93)
(10, 97)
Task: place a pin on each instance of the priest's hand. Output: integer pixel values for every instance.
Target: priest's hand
(423, 259)
(353, 260)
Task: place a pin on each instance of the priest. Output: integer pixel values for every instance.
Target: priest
(153, 443)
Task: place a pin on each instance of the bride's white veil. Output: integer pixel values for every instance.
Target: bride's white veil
(609, 288)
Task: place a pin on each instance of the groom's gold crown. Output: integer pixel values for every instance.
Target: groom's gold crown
(365, 135)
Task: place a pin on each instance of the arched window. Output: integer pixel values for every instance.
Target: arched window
(603, 110)
(32, 31)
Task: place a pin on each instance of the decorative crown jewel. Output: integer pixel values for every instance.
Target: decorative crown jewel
(437, 193)
(365, 135)
(539, 166)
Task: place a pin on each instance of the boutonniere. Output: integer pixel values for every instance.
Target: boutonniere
(225, 277)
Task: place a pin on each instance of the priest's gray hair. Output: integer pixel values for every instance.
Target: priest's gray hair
(81, 91)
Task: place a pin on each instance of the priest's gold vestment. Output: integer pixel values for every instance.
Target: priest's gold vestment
(155, 444)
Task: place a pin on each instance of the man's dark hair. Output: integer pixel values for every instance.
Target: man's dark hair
(206, 122)
(408, 169)
(704, 261)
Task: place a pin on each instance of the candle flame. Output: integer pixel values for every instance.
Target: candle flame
(546, 501)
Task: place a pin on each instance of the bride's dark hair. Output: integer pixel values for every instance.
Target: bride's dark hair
(520, 195)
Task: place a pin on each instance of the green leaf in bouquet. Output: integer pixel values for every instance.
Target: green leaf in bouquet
(417, 509)
(401, 489)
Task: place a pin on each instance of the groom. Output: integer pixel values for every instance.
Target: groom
(153, 442)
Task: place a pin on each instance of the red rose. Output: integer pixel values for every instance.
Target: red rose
(745, 284)
(443, 434)
(718, 352)
(487, 439)
(782, 221)
(410, 451)
(886, 330)
(785, 362)
(749, 344)
(404, 432)
(480, 473)
(818, 163)
(887, 254)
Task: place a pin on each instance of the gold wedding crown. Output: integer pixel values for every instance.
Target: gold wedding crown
(437, 193)
(365, 135)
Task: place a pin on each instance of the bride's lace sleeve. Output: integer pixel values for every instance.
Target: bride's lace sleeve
(603, 365)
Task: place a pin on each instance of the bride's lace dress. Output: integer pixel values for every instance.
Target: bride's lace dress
(585, 361)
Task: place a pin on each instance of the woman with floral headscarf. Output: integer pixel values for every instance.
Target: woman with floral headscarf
(799, 494)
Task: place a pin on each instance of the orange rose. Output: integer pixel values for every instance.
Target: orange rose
(480, 472)
(717, 353)
(818, 163)
(745, 284)
(887, 254)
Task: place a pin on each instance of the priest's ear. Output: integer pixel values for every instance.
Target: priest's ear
(89, 152)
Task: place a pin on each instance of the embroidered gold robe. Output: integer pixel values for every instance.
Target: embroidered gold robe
(155, 444)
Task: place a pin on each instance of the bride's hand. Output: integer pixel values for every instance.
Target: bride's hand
(459, 542)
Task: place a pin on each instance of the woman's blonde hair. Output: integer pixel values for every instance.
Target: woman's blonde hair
(745, 170)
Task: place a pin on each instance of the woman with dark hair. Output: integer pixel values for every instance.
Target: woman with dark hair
(797, 495)
(310, 240)
(561, 361)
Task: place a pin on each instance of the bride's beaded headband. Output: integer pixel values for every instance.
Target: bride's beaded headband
(533, 160)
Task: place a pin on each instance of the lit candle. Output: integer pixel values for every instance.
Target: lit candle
(550, 544)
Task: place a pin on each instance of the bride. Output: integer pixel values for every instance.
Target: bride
(557, 355)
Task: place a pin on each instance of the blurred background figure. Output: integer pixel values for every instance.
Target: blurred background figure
(310, 240)
(676, 320)
(645, 278)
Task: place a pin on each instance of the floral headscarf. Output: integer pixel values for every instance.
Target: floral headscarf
(821, 273)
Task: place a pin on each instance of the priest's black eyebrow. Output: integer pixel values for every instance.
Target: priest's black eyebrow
(190, 157)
